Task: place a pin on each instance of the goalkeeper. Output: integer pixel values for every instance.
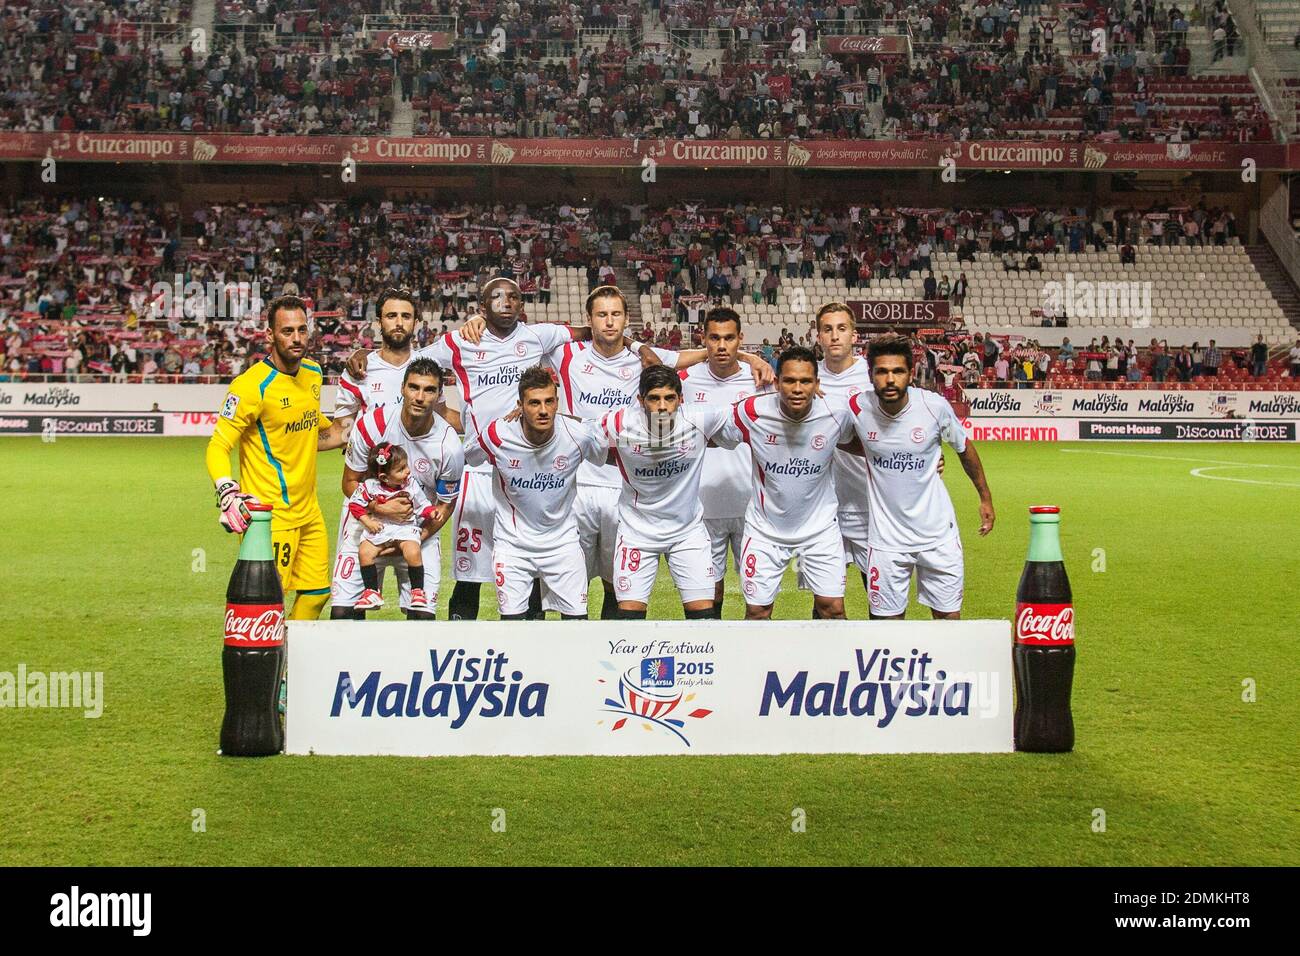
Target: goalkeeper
(272, 413)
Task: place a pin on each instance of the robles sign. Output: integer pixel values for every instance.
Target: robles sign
(895, 312)
(640, 688)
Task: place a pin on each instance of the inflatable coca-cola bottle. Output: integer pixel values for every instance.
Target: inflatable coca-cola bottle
(253, 657)
(1044, 648)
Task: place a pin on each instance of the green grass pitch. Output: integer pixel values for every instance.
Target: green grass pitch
(1198, 593)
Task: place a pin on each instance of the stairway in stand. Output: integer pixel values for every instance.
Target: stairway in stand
(627, 283)
(1279, 283)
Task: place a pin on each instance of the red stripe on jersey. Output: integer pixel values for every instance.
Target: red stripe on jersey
(564, 376)
(492, 433)
(349, 387)
(855, 406)
(365, 433)
(618, 423)
(682, 373)
(379, 419)
(751, 408)
(744, 431)
(619, 461)
(458, 366)
(486, 450)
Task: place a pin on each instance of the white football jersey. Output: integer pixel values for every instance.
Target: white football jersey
(661, 469)
(488, 373)
(381, 386)
(591, 385)
(725, 484)
(436, 458)
(535, 485)
(793, 493)
(910, 507)
(849, 472)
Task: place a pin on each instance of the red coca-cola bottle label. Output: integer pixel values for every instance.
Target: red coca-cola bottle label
(254, 625)
(1050, 625)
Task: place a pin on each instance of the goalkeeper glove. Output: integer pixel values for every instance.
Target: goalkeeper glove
(233, 504)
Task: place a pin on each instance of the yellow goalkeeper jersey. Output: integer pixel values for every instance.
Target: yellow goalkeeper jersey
(273, 418)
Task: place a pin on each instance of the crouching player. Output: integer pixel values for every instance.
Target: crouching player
(659, 447)
(534, 461)
(437, 461)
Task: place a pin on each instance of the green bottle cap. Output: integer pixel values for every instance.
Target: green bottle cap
(256, 543)
(1045, 533)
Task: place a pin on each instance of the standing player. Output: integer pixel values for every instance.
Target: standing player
(659, 447)
(382, 383)
(724, 486)
(596, 377)
(913, 525)
(437, 462)
(535, 462)
(792, 436)
(272, 413)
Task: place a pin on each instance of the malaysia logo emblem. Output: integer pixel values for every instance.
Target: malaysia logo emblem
(819, 442)
(646, 694)
(658, 672)
(918, 435)
(1048, 403)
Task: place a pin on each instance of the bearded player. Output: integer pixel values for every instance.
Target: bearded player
(272, 414)
(913, 525)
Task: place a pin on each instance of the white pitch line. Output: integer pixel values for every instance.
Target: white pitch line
(1200, 473)
(1208, 461)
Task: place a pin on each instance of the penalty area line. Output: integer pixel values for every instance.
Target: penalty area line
(1204, 461)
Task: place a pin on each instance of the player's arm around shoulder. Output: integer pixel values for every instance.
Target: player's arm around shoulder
(481, 447)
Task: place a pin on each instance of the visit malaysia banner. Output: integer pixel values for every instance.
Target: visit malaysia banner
(485, 151)
(631, 688)
(1132, 403)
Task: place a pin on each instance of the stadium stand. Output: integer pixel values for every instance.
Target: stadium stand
(88, 285)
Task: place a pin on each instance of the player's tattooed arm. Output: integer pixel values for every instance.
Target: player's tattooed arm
(974, 468)
(333, 437)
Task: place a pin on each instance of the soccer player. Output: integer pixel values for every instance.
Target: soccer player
(272, 413)
(724, 486)
(658, 446)
(792, 436)
(437, 463)
(487, 355)
(535, 461)
(381, 386)
(842, 375)
(594, 378)
(913, 525)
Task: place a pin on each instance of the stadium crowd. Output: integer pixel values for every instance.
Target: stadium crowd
(973, 74)
(102, 286)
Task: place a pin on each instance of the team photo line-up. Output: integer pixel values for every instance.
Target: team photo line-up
(563, 454)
